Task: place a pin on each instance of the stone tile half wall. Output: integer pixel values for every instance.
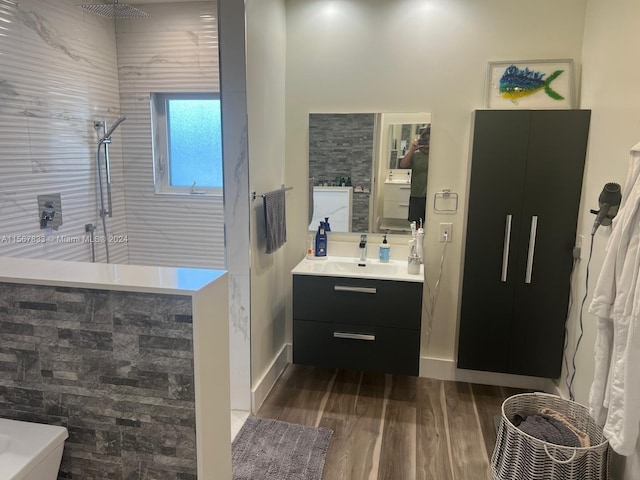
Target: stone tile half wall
(115, 368)
(341, 145)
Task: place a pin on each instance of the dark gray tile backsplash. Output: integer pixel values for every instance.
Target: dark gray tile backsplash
(115, 368)
(341, 145)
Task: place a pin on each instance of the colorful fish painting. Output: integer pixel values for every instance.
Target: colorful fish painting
(516, 83)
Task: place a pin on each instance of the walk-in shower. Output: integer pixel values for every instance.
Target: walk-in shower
(105, 211)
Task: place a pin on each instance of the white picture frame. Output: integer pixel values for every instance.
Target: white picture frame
(524, 84)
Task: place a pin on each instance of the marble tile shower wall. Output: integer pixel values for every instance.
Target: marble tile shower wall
(115, 368)
(175, 50)
(59, 74)
(344, 149)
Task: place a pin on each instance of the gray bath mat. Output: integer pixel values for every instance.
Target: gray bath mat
(266, 449)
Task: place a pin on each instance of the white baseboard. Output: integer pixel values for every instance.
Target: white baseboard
(264, 385)
(445, 369)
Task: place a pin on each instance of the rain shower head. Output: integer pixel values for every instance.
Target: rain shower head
(115, 10)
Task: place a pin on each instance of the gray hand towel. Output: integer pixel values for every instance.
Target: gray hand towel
(275, 219)
(311, 181)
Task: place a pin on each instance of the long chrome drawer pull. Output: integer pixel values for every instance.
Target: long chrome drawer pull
(532, 248)
(354, 336)
(342, 288)
(505, 248)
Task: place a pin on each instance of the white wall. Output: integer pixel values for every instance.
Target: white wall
(611, 76)
(175, 50)
(58, 75)
(266, 39)
(236, 195)
(404, 56)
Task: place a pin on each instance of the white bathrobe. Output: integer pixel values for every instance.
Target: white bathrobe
(614, 399)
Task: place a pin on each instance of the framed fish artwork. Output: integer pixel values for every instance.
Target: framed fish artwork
(530, 84)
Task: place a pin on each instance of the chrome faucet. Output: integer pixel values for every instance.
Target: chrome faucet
(363, 248)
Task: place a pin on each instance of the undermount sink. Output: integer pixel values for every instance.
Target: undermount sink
(352, 267)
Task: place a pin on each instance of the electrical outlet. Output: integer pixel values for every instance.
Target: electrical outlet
(577, 249)
(446, 231)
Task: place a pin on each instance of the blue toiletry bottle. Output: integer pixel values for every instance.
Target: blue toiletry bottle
(321, 241)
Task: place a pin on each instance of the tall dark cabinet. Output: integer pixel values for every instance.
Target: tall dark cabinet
(526, 179)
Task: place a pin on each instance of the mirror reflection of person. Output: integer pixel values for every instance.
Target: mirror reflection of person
(417, 159)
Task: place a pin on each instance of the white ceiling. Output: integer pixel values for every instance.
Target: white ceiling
(146, 2)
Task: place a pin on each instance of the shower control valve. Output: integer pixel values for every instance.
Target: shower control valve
(47, 215)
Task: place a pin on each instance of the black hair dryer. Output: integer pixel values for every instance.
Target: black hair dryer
(609, 203)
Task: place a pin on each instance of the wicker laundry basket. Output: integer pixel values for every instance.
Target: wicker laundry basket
(519, 456)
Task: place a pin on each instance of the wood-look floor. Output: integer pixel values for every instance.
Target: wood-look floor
(392, 427)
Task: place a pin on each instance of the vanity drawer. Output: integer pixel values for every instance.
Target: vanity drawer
(358, 347)
(398, 192)
(358, 301)
(396, 209)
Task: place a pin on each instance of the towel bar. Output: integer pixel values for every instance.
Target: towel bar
(255, 195)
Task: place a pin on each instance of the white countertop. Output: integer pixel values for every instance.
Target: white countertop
(103, 276)
(335, 266)
(336, 188)
(398, 181)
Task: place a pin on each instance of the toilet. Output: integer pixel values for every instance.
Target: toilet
(30, 451)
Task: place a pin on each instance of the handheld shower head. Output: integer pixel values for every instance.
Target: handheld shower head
(113, 127)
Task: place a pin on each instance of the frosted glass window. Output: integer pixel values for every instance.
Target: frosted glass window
(194, 140)
(187, 143)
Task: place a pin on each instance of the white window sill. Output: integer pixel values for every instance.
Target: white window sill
(188, 194)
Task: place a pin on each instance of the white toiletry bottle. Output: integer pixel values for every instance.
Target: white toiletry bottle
(420, 242)
(310, 247)
(385, 251)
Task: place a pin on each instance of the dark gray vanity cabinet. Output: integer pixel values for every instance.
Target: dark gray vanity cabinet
(526, 179)
(354, 323)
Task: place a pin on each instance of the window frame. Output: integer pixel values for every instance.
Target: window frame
(160, 144)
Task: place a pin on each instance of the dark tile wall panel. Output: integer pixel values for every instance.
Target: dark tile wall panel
(115, 368)
(341, 145)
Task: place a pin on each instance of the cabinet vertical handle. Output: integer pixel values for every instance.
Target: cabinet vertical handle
(532, 248)
(505, 248)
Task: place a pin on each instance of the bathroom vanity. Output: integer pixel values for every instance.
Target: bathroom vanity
(396, 199)
(364, 318)
(132, 360)
(397, 191)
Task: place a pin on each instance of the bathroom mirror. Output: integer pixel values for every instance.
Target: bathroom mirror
(360, 181)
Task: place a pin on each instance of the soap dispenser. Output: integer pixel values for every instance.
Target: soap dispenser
(385, 250)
